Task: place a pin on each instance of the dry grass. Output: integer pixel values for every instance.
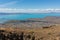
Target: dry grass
(51, 33)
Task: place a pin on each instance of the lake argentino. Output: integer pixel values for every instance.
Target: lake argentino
(23, 16)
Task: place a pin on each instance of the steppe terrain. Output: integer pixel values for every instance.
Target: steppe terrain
(47, 28)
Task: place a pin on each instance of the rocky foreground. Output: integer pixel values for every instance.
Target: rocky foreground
(31, 29)
(45, 33)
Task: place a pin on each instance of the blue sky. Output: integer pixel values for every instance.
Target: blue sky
(33, 4)
(30, 4)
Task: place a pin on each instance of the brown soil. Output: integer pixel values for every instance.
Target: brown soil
(45, 33)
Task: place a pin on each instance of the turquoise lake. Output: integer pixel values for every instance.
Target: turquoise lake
(23, 16)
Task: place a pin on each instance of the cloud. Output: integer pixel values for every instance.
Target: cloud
(8, 4)
(10, 10)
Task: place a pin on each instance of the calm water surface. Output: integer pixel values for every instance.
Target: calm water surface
(23, 16)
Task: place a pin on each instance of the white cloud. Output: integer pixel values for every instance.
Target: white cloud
(10, 10)
(8, 4)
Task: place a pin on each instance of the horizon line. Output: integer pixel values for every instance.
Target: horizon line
(16, 10)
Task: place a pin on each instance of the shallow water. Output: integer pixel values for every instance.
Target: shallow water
(24, 16)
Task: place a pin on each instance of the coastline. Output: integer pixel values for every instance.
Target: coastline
(31, 29)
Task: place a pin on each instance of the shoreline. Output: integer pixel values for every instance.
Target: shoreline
(31, 29)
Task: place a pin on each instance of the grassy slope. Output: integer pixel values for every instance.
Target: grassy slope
(51, 33)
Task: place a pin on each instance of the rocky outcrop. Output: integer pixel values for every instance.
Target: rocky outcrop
(4, 35)
(45, 33)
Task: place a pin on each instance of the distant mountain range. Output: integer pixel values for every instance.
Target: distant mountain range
(12, 13)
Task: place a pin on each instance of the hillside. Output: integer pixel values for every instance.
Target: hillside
(31, 29)
(45, 33)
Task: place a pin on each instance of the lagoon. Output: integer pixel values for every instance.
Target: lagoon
(23, 16)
